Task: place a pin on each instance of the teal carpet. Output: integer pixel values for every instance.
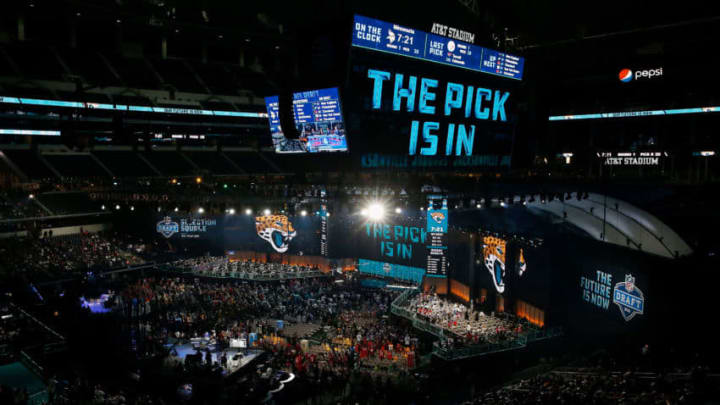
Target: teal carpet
(16, 375)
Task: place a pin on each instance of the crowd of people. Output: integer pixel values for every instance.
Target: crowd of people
(597, 387)
(223, 266)
(14, 205)
(53, 256)
(352, 324)
(468, 326)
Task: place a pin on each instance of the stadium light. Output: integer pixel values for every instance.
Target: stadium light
(103, 207)
(248, 211)
(201, 210)
(177, 209)
(117, 207)
(31, 196)
(231, 211)
(266, 211)
(376, 211)
(303, 213)
(132, 208)
(478, 206)
(398, 210)
(502, 203)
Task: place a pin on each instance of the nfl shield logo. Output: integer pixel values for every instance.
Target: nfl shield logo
(629, 299)
(167, 227)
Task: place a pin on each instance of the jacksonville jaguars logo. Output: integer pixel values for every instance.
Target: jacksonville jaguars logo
(167, 227)
(629, 298)
(494, 258)
(438, 217)
(276, 230)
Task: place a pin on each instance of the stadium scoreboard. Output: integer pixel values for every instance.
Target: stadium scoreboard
(318, 118)
(392, 38)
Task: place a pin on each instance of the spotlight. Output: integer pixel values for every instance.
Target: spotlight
(201, 210)
(117, 207)
(177, 209)
(248, 211)
(132, 208)
(478, 206)
(398, 210)
(198, 180)
(502, 203)
(376, 211)
(103, 207)
(31, 196)
(422, 208)
(327, 214)
(231, 211)
(303, 213)
(266, 212)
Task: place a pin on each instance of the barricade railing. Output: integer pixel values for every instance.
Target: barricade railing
(264, 277)
(398, 307)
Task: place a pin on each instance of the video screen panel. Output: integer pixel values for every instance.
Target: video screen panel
(318, 119)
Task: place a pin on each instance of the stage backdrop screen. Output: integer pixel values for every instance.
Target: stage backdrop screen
(275, 233)
(396, 239)
(318, 119)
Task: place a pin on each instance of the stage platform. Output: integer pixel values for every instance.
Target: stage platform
(238, 358)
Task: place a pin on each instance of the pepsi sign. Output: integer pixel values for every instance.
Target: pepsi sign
(627, 75)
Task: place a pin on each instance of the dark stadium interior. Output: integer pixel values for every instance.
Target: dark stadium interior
(359, 202)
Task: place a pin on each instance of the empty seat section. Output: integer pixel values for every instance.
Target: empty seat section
(250, 162)
(35, 61)
(29, 163)
(169, 163)
(76, 165)
(134, 72)
(125, 163)
(217, 77)
(213, 162)
(175, 73)
(68, 203)
(89, 66)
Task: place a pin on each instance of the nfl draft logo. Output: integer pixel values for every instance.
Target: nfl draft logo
(167, 227)
(629, 298)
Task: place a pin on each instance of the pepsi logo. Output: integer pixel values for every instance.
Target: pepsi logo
(625, 75)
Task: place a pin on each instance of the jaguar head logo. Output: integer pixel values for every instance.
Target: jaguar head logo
(438, 217)
(276, 230)
(494, 259)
